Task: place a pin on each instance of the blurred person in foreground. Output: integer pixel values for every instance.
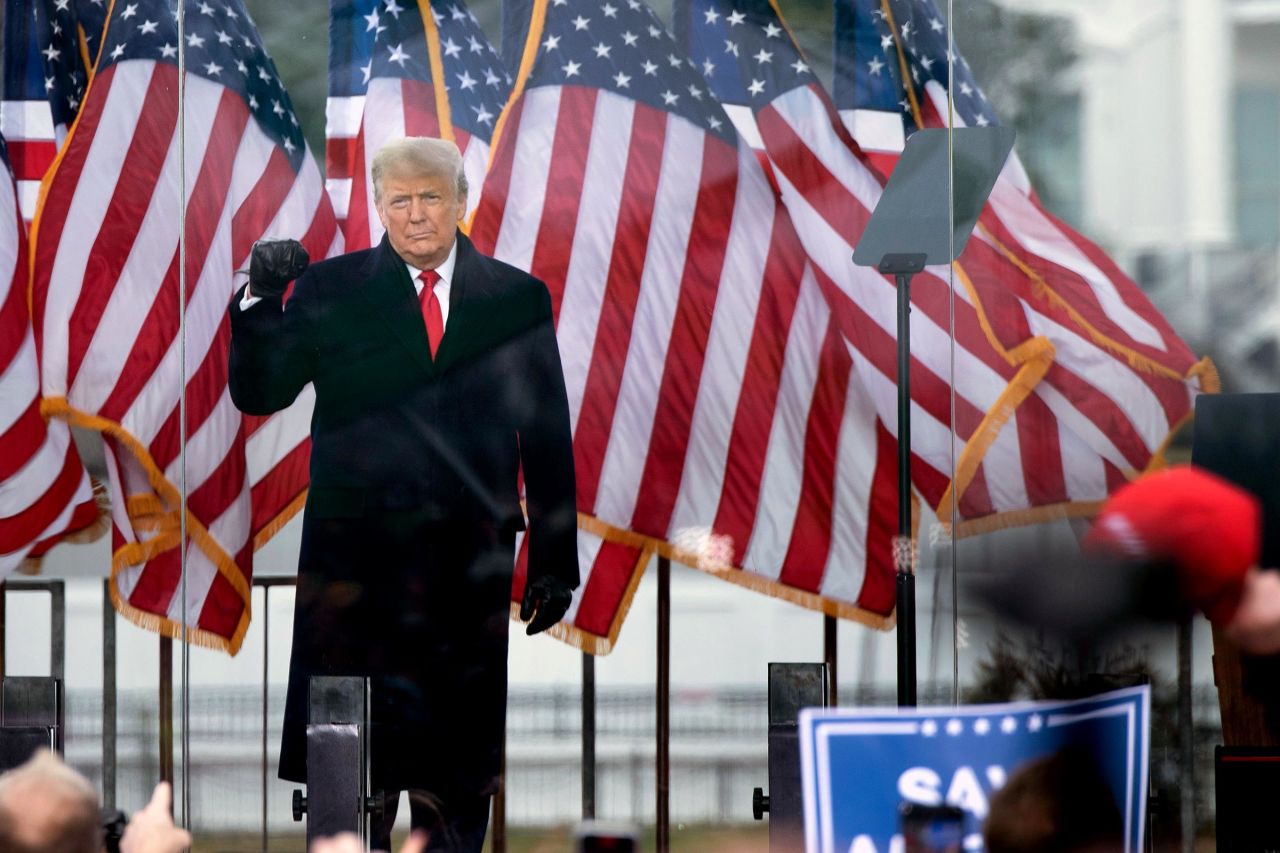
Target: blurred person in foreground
(1056, 804)
(46, 807)
(1167, 544)
(437, 385)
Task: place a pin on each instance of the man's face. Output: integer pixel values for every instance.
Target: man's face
(421, 215)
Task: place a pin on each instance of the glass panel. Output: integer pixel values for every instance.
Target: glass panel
(1134, 194)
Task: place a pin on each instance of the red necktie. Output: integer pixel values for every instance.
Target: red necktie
(431, 309)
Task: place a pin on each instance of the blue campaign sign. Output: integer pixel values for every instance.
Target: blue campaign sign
(859, 766)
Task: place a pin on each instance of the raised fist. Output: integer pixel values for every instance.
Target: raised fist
(273, 264)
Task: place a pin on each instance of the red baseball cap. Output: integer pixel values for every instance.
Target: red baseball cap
(1211, 531)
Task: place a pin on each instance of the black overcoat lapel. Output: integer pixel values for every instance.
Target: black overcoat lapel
(393, 297)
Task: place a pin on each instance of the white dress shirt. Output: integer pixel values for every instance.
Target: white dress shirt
(443, 286)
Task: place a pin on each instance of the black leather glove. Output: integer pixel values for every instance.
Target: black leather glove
(273, 264)
(549, 597)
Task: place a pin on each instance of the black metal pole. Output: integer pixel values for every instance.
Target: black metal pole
(108, 698)
(588, 736)
(903, 551)
(266, 659)
(830, 654)
(663, 762)
(166, 710)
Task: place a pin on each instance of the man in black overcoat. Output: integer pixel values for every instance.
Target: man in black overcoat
(437, 380)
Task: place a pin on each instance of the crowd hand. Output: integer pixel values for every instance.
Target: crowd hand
(544, 604)
(348, 842)
(152, 829)
(273, 264)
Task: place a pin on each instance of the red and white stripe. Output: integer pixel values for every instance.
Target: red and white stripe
(107, 325)
(1121, 415)
(33, 141)
(44, 490)
(705, 371)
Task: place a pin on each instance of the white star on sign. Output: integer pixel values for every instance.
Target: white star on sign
(398, 55)
(1034, 723)
(1008, 725)
(571, 70)
(954, 727)
(981, 726)
(929, 728)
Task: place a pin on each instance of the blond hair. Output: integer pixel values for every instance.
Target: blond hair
(418, 155)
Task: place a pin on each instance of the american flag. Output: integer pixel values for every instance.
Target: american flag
(106, 302)
(1056, 261)
(1048, 421)
(710, 393)
(44, 490)
(45, 73)
(385, 60)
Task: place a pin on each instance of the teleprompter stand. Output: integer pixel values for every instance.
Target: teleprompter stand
(337, 797)
(925, 216)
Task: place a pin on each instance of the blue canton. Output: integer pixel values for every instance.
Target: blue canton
(475, 78)
(221, 44)
(620, 46)
(742, 49)
(922, 31)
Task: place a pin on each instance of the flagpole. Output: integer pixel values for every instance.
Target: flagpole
(663, 761)
(903, 547)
